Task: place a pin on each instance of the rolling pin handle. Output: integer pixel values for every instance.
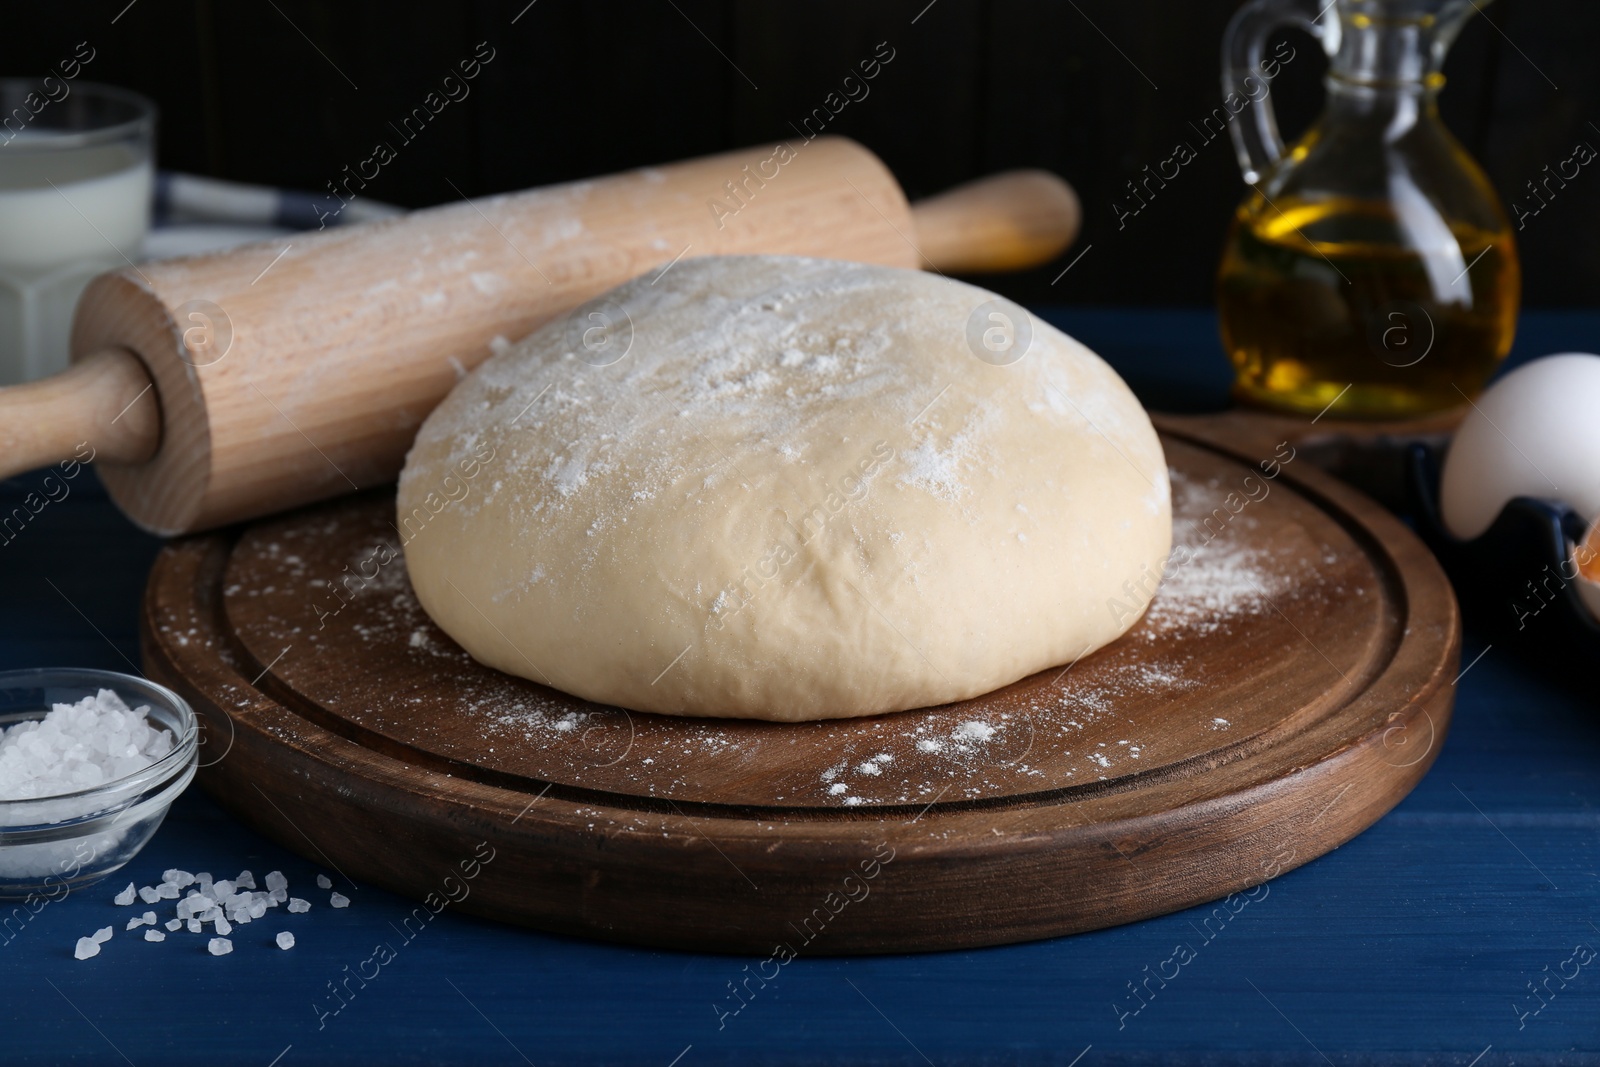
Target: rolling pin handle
(103, 406)
(1009, 221)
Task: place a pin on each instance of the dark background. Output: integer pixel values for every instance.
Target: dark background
(288, 92)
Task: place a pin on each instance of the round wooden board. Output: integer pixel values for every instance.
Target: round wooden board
(1290, 683)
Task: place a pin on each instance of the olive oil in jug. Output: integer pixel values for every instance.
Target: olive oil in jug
(1370, 272)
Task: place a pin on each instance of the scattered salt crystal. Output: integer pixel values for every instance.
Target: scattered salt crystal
(222, 889)
(276, 881)
(223, 926)
(838, 787)
(78, 746)
(177, 877)
(193, 926)
(166, 891)
(256, 909)
(285, 940)
(174, 925)
(869, 768)
(87, 946)
(219, 946)
(134, 923)
(148, 895)
(928, 745)
(246, 880)
(154, 935)
(296, 905)
(149, 918)
(124, 898)
(103, 934)
(338, 900)
(324, 882)
(279, 895)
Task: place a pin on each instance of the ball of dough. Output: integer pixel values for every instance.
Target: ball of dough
(790, 489)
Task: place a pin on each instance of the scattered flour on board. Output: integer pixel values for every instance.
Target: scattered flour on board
(1080, 717)
(1221, 582)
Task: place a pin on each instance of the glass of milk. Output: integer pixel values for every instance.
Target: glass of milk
(76, 174)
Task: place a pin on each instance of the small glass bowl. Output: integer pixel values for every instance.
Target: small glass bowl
(74, 839)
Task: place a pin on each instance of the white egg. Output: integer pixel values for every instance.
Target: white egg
(1536, 432)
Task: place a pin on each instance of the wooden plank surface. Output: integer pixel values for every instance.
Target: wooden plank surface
(1411, 944)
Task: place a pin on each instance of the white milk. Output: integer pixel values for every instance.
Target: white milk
(54, 239)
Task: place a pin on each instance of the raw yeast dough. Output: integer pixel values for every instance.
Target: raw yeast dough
(780, 488)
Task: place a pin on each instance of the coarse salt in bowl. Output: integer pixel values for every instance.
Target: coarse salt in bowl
(90, 761)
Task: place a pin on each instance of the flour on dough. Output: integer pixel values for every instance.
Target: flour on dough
(785, 489)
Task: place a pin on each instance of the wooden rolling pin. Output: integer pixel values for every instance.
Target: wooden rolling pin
(223, 387)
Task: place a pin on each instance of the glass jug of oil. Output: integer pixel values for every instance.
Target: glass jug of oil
(1371, 272)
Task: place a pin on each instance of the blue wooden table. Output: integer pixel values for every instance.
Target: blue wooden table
(1461, 929)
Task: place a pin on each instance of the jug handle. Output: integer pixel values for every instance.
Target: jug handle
(1255, 134)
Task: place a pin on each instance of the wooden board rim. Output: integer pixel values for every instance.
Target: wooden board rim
(591, 882)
